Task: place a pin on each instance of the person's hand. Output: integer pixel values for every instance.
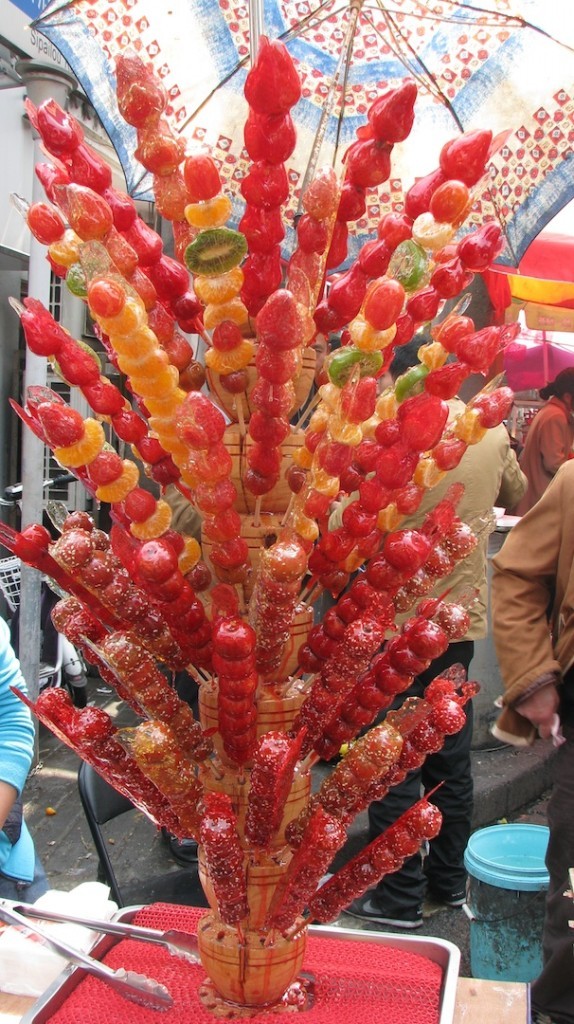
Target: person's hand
(540, 709)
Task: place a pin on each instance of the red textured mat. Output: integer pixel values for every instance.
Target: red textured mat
(354, 981)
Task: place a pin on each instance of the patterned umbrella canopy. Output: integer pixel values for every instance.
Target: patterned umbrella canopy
(494, 65)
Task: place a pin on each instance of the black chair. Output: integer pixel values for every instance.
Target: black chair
(102, 804)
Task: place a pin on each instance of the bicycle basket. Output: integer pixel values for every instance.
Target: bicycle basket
(10, 581)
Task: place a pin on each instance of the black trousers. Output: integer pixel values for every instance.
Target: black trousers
(444, 870)
(553, 991)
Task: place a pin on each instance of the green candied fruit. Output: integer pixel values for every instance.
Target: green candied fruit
(409, 265)
(411, 382)
(344, 360)
(76, 281)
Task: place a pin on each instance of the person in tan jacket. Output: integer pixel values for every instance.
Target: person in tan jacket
(491, 476)
(549, 439)
(533, 626)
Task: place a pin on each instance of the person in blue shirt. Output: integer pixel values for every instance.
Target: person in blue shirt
(22, 876)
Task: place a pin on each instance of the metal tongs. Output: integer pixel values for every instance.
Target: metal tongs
(182, 944)
(137, 987)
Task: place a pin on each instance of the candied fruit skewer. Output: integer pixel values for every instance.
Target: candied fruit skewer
(323, 837)
(390, 673)
(207, 470)
(103, 575)
(283, 327)
(270, 140)
(157, 753)
(91, 734)
(139, 676)
(234, 663)
(31, 546)
(446, 718)
(224, 857)
(368, 760)
(274, 763)
(44, 336)
(275, 598)
(351, 655)
(381, 857)
(404, 552)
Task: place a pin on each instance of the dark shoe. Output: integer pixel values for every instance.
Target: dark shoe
(184, 851)
(365, 910)
(452, 899)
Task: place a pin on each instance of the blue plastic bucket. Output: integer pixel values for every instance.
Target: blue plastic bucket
(507, 882)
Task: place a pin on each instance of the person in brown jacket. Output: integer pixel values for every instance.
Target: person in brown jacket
(533, 626)
(549, 439)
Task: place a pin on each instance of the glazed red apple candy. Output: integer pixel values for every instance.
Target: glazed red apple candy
(381, 857)
(234, 662)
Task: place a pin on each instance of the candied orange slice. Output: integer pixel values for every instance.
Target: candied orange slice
(389, 518)
(387, 405)
(145, 365)
(212, 213)
(326, 484)
(84, 451)
(234, 310)
(219, 289)
(154, 525)
(305, 527)
(190, 555)
(165, 405)
(432, 355)
(228, 362)
(367, 339)
(139, 343)
(120, 488)
(131, 319)
(427, 473)
(302, 457)
(165, 381)
(66, 250)
(468, 428)
(346, 433)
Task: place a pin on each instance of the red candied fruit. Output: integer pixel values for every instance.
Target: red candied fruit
(105, 298)
(139, 505)
(156, 560)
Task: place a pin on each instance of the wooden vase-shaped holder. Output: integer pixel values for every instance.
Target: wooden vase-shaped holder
(229, 402)
(247, 965)
(277, 499)
(251, 972)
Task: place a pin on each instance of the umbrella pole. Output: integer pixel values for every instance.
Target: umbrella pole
(545, 357)
(255, 27)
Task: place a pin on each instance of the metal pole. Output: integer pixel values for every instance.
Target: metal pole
(256, 26)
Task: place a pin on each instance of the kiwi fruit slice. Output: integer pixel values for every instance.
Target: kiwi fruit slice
(215, 251)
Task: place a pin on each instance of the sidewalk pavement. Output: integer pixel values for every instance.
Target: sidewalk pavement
(509, 785)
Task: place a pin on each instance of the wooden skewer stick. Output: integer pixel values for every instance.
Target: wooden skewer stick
(289, 509)
(240, 415)
(257, 513)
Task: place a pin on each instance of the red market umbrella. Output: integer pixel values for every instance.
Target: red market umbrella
(476, 66)
(542, 286)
